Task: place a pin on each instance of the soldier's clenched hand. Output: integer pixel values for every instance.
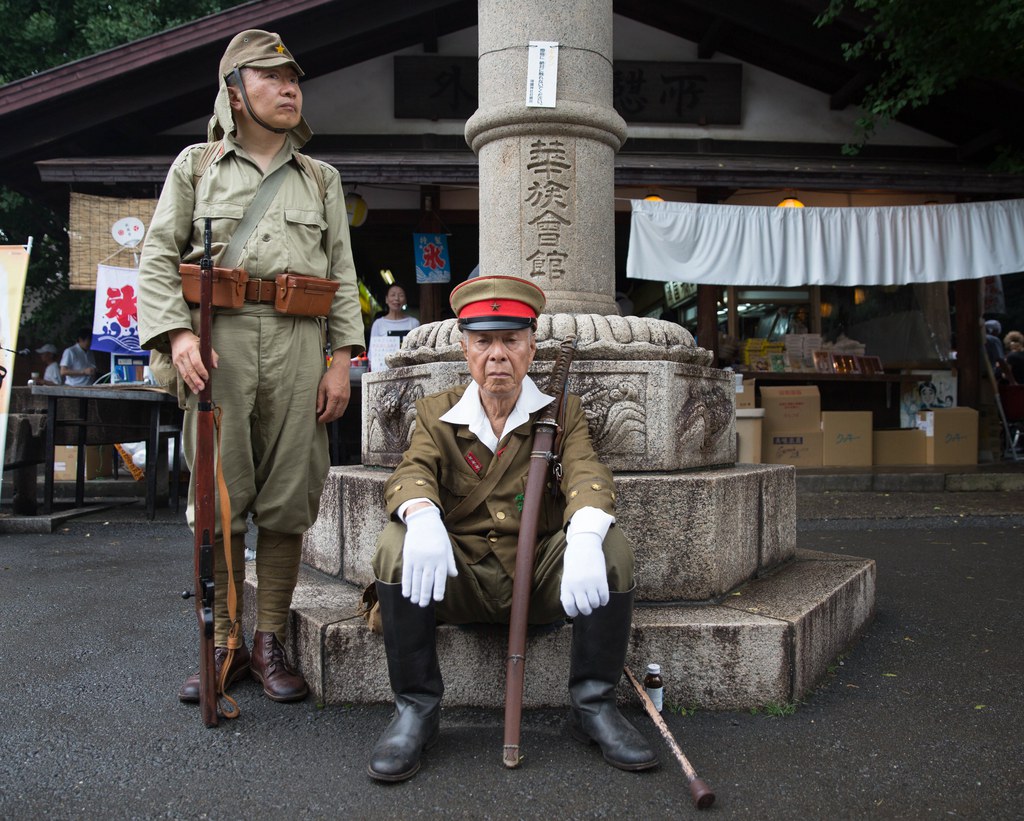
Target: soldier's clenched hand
(186, 358)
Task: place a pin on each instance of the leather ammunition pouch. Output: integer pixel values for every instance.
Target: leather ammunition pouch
(291, 294)
(228, 285)
(299, 295)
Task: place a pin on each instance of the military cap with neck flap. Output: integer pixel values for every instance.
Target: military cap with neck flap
(497, 303)
(253, 48)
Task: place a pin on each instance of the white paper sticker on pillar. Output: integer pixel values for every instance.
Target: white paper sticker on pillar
(542, 74)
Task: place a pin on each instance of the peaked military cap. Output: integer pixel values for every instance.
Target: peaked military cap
(497, 303)
(256, 48)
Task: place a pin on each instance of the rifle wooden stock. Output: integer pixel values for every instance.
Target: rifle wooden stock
(205, 512)
(541, 458)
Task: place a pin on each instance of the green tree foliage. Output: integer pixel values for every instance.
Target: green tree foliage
(42, 34)
(922, 50)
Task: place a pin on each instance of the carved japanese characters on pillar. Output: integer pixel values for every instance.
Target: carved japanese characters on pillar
(549, 206)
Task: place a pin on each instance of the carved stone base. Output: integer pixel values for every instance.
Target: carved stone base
(643, 415)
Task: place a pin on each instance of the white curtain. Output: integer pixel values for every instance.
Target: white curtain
(770, 246)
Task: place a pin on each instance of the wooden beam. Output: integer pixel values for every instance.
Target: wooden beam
(968, 341)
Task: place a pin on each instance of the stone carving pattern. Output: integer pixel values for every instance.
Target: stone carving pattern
(616, 415)
(616, 338)
(710, 405)
(392, 416)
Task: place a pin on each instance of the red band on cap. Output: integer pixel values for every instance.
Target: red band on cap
(496, 308)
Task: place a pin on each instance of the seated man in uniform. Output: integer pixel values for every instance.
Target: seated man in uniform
(439, 558)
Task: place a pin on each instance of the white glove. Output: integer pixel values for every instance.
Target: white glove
(584, 578)
(427, 557)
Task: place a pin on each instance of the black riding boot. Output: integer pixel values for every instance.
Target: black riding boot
(410, 643)
(599, 643)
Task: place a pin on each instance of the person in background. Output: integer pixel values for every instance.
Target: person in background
(996, 353)
(1014, 342)
(77, 363)
(396, 319)
(51, 373)
(268, 370)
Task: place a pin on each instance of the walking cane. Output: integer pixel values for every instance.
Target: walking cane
(702, 795)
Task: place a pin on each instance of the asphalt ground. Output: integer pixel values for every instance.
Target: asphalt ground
(922, 718)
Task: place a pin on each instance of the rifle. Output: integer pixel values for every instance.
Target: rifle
(204, 496)
(543, 458)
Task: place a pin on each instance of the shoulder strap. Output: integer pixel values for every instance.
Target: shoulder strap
(314, 170)
(253, 214)
(210, 153)
(483, 490)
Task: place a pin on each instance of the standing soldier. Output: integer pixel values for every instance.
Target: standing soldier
(269, 380)
(432, 560)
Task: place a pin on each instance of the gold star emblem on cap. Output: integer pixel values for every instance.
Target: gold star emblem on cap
(495, 306)
(279, 48)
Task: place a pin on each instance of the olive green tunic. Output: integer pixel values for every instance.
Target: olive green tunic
(274, 453)
(437, 466)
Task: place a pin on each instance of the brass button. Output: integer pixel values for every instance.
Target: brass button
(421, 482)
(595, 486)
(396, 488)
(492, 538)
(613, 497)
(500, 514)
(574, 494)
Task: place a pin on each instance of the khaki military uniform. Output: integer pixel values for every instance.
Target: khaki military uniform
(438, 466)
(274, 453)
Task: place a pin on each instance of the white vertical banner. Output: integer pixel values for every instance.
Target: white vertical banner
(542, 74)
(13, 267)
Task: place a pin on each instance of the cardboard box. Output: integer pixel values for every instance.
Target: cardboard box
(898, 447)
(748, 435)
(846, 438)
(801, 448)
(745, 394)
(951, 435)
(65, 463)
(791, 407)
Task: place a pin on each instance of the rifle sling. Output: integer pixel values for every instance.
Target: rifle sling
(228, 706)
(253, 214)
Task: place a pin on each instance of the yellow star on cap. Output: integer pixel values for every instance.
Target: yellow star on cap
(279, 48)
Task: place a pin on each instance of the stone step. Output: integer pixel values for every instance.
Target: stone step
(768, 641)
(695, 534)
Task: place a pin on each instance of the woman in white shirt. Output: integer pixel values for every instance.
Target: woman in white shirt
(396, 319)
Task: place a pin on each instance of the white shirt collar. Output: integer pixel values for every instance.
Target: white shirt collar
(468, 411)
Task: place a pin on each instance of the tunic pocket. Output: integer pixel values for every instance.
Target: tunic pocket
(224, 219)
(305, 230)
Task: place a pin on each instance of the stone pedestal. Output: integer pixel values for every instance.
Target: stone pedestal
(737, 616)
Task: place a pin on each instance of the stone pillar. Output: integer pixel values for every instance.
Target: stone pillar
(547, 175)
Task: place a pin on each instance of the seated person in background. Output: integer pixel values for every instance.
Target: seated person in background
(396, 319)
(430, 559)
(77, 364)
(1014, 342)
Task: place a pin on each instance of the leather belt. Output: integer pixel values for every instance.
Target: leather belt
(260, 290)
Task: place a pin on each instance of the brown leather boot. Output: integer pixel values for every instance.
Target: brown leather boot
(189, 692)
(270, 667)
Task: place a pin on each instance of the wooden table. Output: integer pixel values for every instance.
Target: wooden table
(107, 415)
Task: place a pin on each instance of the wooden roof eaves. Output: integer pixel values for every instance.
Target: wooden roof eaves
(212, 30)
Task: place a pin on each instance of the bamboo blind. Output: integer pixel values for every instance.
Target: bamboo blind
(90, 239)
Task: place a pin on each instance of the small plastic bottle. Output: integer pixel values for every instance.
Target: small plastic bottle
(654, 686)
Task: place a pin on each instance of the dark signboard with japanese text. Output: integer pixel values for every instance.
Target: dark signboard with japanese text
(702, 93)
